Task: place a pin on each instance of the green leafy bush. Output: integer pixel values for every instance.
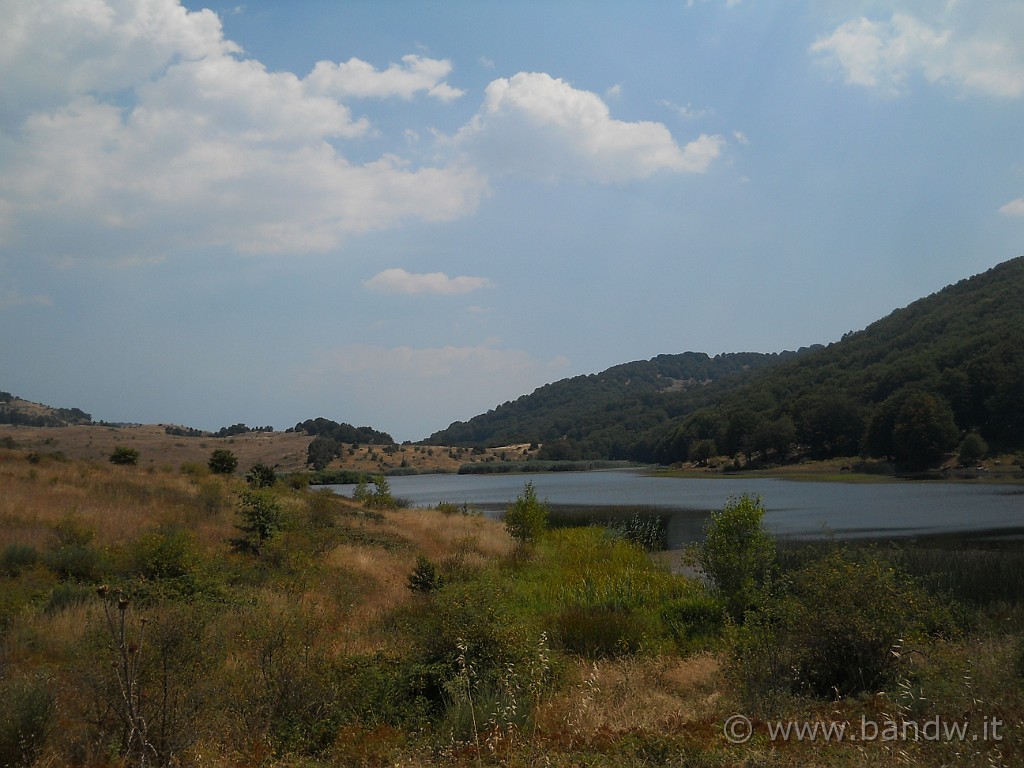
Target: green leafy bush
(527, 517)
(128, 457)
(261, 519)
(737, 553)
(694, 622)
(832, 627)
(17, 558)
(222, 462)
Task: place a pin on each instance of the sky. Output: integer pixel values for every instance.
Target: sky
(402, 214)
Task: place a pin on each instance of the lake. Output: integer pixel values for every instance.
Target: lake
(792, 508)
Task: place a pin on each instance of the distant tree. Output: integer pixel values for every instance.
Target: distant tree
(973, 449)
(222, 462)
(923, 431)
(321, 451)
(701, 451)
(128, 457)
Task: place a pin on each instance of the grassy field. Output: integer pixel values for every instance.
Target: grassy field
(162, 615)
(285, 451)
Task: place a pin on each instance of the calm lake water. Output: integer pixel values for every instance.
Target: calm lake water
(793, 509)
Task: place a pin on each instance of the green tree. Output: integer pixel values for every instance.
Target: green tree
(923, 431)
(128, 457)
(261, 519)
(222, 462)
(527, 517)
(737, 553)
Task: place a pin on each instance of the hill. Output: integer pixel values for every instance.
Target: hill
(599, 415)
(15, 410)
(909, 387)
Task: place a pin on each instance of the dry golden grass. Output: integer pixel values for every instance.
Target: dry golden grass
(437, 535)
(650, 694)
(284, 450)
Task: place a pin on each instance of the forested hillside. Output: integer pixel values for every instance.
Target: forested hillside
(911, 387)
(600, 415)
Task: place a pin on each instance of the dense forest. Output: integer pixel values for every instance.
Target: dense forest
(911, 387)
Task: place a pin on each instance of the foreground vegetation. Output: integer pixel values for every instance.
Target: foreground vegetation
(182, 617)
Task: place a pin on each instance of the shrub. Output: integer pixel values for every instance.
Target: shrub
(128, 457)
(381, 497)
(261, 519)
(16, 558)
(222, 462)
(737, 553)
(973, 449)
(26, 709)
(424, 577)
(833, 629)
(694, 622)
(603, 631)
(527, 517)
(72, 556)
(261, 476)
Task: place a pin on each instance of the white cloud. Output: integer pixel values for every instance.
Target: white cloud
(538, 126)
(884, 54)
(688, 111)
(1013, 208)
(130, 129)
(15, 299)
(399, 281)
(356, 78)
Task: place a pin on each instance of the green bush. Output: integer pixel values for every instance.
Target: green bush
(128, 457)
(526, 518)
(17, 558)
(737, 553)
(261, 519)
(261, 476)
(603, 631)
(26, 711)
(72, 556)
(222, 462)
(424, 577)
(694, 623)
(832, 629)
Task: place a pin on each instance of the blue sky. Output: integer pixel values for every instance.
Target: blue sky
(402, 214)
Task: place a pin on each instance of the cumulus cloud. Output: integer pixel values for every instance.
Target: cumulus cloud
(134, 128)
(538, 126)
(400, 281)
(884, 54)
(356, 78)
(1013, 208)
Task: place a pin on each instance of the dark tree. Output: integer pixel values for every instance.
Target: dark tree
(222, 462)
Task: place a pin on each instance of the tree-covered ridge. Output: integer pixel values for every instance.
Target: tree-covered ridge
(602, 414)
(907, 387)
(14, 410)
(910, 387)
